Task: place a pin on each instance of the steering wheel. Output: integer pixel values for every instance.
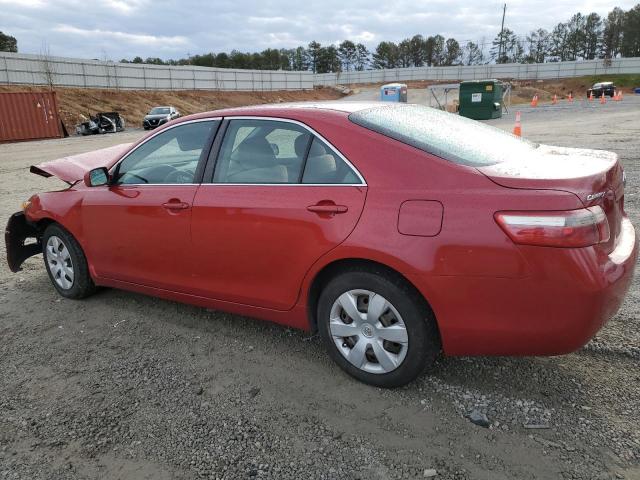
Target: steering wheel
(179, 176)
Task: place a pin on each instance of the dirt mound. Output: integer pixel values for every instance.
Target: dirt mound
(76, 104)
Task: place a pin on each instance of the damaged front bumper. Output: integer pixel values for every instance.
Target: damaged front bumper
(18, 230)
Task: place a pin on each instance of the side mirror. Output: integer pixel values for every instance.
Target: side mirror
(96, 177)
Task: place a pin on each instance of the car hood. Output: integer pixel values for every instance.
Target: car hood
(72, 169)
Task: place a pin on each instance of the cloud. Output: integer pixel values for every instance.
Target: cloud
(24, 3)
(172, 29)
(157, 41)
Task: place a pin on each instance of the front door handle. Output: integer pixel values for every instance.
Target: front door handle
(175, 205)
(327, 208)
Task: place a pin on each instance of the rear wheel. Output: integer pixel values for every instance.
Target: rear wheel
(377, 328)
(66, 264)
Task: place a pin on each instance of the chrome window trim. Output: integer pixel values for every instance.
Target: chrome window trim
(313, 132)
(160, 132)
(248, 117)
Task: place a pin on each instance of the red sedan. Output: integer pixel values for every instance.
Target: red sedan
(396, 231)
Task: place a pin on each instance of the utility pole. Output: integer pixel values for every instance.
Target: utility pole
(504, 11)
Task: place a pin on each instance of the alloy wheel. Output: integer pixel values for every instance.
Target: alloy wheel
(368, 331)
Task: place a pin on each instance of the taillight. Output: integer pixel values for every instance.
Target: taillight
(571, 228)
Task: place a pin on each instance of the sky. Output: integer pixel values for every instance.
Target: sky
(115, 29)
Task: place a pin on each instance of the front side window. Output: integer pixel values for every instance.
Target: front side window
(262, 151)
(172, 156)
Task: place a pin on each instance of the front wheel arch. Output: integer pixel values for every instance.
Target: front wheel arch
(82, 284)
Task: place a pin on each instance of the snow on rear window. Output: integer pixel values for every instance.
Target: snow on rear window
(449, 136)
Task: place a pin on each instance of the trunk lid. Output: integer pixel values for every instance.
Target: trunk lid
(594, 176)
(72, 169)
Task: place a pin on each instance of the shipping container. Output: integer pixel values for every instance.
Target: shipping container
(28, 116)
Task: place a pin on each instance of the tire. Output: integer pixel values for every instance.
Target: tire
(66, 264)
(365, 289)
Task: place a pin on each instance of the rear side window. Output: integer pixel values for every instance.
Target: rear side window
(448, 136)
(261, 151)
(256, 151)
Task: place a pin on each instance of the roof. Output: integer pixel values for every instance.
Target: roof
(343, 106)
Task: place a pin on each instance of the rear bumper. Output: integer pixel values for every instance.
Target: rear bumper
(18, 230)
(569, 296)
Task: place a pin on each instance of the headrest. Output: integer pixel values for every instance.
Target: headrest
(256, 152)
(300, 144)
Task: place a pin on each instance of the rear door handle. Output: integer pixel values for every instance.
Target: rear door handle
(331, 208)
(173, 205)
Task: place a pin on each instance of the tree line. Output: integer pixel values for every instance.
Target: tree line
(582, 37)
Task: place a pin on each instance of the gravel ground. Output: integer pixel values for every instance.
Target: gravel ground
(127, 386)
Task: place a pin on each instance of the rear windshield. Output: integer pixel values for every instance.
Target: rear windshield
(449, 136)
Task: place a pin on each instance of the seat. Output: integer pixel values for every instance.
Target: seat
(320, 169)
(254, 162)
(275, 174)
(300, 145)
(321, 165)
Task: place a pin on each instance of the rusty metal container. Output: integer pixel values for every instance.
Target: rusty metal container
(28, 116)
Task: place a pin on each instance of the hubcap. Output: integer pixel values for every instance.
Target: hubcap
(368, 331)
(59, 261)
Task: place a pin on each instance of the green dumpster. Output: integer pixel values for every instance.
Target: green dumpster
(481, 99)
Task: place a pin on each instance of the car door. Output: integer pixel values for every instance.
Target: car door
(138, 227)
(279, 198)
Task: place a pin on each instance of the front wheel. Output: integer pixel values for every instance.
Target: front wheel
(66, 264)
(377, 328)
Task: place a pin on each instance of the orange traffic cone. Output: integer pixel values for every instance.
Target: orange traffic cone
(570, 98)
(603, 99)
(555, 99)
(591, 96)
(517, 128)
(534, 101)
(616, 98)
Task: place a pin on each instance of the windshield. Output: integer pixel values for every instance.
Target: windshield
(449, 136)
(159, 111)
